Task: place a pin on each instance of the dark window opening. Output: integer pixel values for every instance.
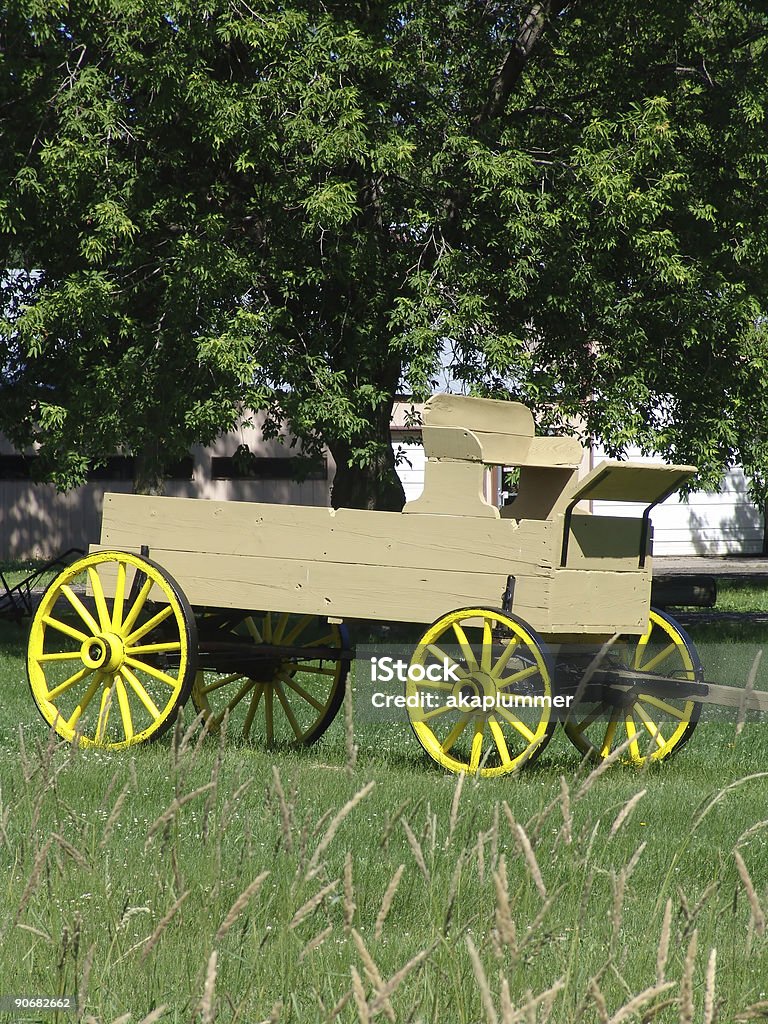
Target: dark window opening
(117, 467)
(268, 468)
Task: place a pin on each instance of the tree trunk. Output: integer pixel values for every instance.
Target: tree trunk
(376, 485)
(148, 476)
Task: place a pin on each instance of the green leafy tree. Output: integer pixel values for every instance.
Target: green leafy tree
(304, 207)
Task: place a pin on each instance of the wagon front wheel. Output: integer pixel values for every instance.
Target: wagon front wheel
(479, 692)
(112, 650)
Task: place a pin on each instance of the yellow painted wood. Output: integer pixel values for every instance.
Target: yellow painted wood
(453, 489)
(555, 451)
(341, 535)
(594, 601)
(604, 542)
(631, 481)
(542, 493)
(345, 590)
(485, 414)
(475, 445)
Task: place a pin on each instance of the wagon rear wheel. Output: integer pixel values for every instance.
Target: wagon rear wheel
(483, 702)
(278, 676)
(112, 650)
(655, 727)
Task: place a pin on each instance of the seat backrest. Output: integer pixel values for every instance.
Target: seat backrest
(492, 432)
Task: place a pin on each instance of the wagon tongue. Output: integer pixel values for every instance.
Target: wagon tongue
(620, 687)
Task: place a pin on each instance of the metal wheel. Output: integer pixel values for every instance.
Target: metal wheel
(112, 650)
(479, 692)
(278, 675)
(656, 726)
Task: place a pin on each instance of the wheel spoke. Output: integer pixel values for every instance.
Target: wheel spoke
(452, 737)
(64, 627)
(101, 723)
(250, 625)
(434, 713)
(634, 747)
(225, 681)
(117, 606)
(68, 683)
(150, 670)
(80, 608)
(98, 596)
(282, 622)
(149, 625)
(268, 628)
(466, 647)
(446, 659)
(289, 712)
(329, 638)
(301, 691)
(85, 700)
(298, 629)
(610, 732)
(130, 621)
(252, 708)
(658, 658)
(138, 688)
(486, 652)
(477, 745)
(63, 656)
(433, 684)
(524, 673)
(662, 705)
(499, 740)
(516, 723)
(244, 689)
(269, 715)
(155, 648)
(125, 707)
(650, 725)
(589, 719)
(504, 657)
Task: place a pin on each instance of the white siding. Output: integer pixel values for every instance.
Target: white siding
(708, 523)
(410, 459)
(718, 522)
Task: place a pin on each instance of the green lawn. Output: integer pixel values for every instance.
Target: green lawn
(136, 881)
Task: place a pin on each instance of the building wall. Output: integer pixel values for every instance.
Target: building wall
(707, 523)
(721, 522)
(38, 522)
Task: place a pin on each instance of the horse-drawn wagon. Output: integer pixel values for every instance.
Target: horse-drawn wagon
(242, 606)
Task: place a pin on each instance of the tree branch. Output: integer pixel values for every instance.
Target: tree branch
(514, 63)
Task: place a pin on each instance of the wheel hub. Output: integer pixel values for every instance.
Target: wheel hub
(476, 687)
(104, 651)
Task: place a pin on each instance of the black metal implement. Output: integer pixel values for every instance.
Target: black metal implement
(19, 601)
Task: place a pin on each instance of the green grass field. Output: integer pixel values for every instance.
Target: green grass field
(214, 881)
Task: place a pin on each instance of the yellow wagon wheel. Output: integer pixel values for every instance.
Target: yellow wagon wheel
(656, 727)
(278, 675)
(479, 692)
(112, 650)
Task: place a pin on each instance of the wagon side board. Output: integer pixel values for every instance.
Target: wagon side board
(379, 565)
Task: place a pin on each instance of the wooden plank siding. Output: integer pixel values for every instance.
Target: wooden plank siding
(380, 565)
